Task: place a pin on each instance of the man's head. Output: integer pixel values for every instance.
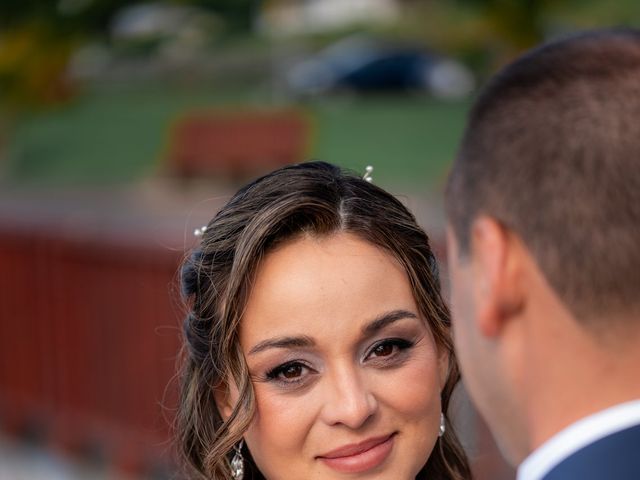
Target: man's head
(546, 189)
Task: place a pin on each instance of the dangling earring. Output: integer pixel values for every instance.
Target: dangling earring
(237, 462)
(443, 427)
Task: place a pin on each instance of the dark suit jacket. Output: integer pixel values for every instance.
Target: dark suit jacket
(616, 457)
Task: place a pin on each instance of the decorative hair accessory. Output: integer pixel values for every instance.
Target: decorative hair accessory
(198, 232)
(443, 426)
(367, 174)
(237, 462)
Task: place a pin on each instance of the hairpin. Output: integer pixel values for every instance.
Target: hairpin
(198, 232)
(367, 174)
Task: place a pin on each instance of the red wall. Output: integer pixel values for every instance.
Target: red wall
(89, 333)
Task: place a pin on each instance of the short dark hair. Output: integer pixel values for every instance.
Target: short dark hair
(552, 151)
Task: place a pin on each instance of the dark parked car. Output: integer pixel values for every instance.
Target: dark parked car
(365, 65)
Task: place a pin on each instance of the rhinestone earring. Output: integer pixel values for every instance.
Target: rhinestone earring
(237, 462)
(443, 426)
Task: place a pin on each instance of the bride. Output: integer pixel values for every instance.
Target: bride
(317, 345)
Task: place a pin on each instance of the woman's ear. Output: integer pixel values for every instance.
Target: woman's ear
(225, 398)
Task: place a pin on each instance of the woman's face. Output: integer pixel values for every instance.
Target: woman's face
(346, 373)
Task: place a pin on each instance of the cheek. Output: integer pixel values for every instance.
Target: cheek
(277, 408)
(278, 431)
(411, 395)
(422, 400)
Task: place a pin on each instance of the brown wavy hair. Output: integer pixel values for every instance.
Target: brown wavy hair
(313, 198)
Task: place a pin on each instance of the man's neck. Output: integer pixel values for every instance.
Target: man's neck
(576, 381)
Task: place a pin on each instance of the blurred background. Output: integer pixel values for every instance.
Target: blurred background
(125, 125)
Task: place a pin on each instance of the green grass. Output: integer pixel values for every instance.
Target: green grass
(407, 140)
(111, 137)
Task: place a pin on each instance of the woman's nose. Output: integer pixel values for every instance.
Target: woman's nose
(348, 400)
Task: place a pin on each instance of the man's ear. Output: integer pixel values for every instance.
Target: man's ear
(497, 292)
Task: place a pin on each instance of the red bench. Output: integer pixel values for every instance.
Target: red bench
(237, 145)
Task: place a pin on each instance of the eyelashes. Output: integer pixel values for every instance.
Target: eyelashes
(387, 353)
(389, 350)
(290, 373)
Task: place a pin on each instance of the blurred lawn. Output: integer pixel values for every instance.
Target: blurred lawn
(116, 136)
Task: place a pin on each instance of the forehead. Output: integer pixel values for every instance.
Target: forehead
(324, 287)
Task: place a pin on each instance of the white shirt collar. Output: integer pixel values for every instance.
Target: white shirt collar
(577, 436)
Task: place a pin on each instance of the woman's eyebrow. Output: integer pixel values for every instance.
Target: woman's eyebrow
(385, 319)
(283, 342)
(303, 341)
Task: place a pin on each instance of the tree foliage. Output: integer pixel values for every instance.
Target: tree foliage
(94, 16)
(519, 22)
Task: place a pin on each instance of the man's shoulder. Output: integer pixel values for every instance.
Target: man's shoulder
(614, 456)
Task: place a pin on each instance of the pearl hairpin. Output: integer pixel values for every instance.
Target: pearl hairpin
(367, 174)
(198, 232)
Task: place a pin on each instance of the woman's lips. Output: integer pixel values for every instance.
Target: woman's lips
(359, 457)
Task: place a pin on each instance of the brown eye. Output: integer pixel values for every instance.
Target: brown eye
(389, 350)
(383, 350)
(290, 374)
(292, 371)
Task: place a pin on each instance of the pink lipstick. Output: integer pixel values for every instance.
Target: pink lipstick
(359, 457)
